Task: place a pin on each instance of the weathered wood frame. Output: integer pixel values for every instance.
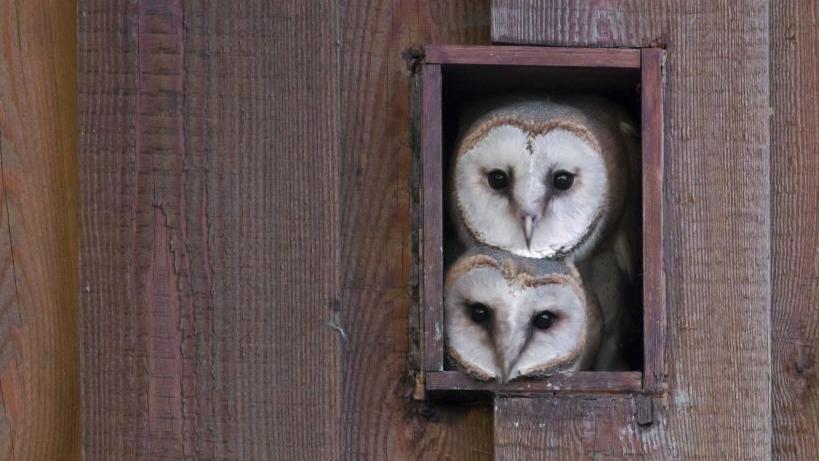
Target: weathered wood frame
(430, 258)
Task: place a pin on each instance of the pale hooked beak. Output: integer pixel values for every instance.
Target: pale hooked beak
(509, 344)
(508, 359)
(527, 230)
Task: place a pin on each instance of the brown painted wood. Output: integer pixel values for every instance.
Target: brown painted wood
(432, 232)
(39, 232)
(717, 234)
(583, 382)
(380, 420)
(795, 235)
(530, 56)
(210, 250)
(654, 300)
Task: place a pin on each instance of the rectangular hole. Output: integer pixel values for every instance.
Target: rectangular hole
(453, 76)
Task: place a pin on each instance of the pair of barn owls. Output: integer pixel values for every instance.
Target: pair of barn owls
(539, 194)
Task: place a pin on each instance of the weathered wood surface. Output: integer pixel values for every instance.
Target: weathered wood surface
(532, 56)
(39, 232)
(210, 158)
(717, 232)
(795, 237)
(378, 419)
(246, 241)
(582, 382)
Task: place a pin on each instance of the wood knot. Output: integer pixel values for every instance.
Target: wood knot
(801, 367)
(412, 57)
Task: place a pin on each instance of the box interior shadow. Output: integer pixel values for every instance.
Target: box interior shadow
(465, 84)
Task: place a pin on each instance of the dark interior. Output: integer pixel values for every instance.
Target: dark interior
(464, 85)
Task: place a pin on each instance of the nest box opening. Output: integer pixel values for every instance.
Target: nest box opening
(454, 77)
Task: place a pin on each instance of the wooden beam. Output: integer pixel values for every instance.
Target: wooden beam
(529, 56)
(654, 296)
(432, 199)
(39, 231)
(584, 382)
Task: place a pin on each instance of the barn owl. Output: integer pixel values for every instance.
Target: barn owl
(555, 178)
(508, 317)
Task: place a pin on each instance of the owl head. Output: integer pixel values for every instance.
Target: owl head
(508, 317)
(542, 178)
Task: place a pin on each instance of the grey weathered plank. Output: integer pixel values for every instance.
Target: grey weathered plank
(795, 234)
(717, 231)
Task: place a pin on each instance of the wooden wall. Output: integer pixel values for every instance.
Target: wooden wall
(39, 232)
(246, 244)
(246, 269)
(741, 166)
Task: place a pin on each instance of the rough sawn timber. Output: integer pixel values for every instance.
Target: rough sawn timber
(717, 228)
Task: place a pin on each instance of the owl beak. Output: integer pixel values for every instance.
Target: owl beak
(508, 362)
(508, 346)
(528, 224)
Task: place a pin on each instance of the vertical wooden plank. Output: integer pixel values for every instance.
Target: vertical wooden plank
(795, 222)
(432, 170)
(39, 232)
(654, 300)
(717, 229)
(379, 419)
(210, 155)
(107, 89)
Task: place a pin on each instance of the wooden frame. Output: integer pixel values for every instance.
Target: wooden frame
(649, 63)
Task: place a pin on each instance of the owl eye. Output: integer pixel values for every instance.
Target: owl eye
(543, 320)
(479, 313)
(498, 179)
(562, 180)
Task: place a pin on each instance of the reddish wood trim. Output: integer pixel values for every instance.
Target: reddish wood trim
(654, 307)
(581, 382)
(651, 60)
(432, 293)
(533, 56)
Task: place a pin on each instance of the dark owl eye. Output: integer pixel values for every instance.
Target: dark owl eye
(543, 320)
(563, 180)
(498, 179)
(479, 313)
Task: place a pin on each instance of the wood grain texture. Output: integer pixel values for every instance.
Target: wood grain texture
(603, 23)
(795, 221)
(532, 56)
(571, 428)
(717, 228)
(654, 298)
(210, 249)
(432, 230)
(583, 382)
(39, 232)
(379, 419)
(246, 252)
